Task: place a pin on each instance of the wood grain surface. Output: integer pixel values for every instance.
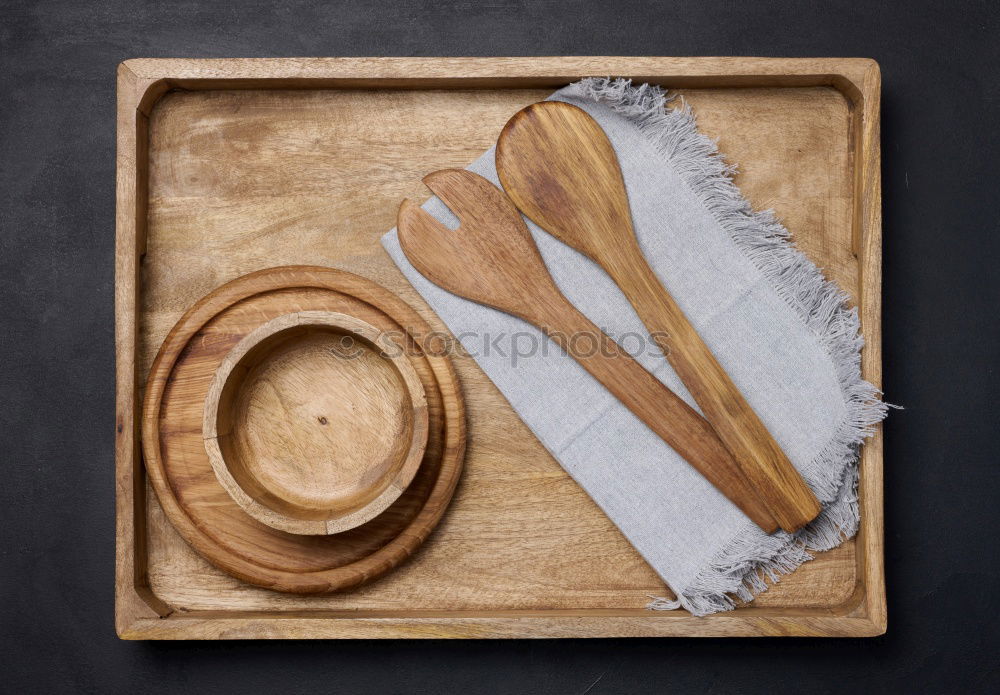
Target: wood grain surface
(559, 168)
(492, 259)
(201, 508)
(315, 422)
(226, 167)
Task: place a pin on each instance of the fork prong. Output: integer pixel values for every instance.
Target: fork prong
(412, 215)
(430, 246)
(466, 194)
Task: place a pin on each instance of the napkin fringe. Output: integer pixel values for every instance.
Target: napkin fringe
(743, 569)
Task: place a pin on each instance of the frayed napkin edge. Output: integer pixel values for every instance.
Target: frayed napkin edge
(744, 567)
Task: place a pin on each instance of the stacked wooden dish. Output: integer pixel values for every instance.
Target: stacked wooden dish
(300, 431)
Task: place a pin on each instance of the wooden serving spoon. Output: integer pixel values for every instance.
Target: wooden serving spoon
(559, 168)
(493, 260)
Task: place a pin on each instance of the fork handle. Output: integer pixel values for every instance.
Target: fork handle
(673, 420)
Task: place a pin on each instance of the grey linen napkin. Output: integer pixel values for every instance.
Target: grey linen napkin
(782, 332)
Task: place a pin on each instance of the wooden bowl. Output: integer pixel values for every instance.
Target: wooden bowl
(203, 512)
(315, 422)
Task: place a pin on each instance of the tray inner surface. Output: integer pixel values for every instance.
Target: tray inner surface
(246, 179)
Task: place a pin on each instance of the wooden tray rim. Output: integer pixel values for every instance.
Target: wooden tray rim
(140, 614)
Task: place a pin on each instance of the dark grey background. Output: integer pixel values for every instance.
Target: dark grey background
(940, 117)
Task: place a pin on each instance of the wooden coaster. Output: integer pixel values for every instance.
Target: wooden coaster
(180, 469)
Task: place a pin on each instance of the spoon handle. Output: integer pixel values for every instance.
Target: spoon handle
(651, 401)
(784, 492)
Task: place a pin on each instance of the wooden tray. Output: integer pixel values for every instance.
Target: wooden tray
(229, 166)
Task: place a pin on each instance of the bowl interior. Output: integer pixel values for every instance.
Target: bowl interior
(316, 422)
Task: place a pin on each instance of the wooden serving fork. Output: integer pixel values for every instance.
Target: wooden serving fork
(493, 260)
(559, 168)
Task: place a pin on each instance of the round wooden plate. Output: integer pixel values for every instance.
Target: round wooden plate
(180, 470)
(315, 422)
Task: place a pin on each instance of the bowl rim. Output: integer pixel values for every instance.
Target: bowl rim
(412, 457)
